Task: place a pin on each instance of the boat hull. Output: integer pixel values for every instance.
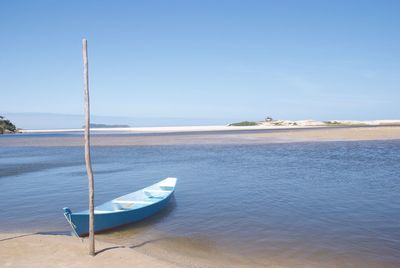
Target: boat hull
(123, 210)
(106, 221)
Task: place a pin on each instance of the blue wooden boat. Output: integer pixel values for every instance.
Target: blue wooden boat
(124, 209)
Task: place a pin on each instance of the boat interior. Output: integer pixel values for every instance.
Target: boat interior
(139, 199)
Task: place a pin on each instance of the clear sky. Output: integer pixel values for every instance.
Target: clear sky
(217, 60)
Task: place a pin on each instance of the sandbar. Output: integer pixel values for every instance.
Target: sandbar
(231, 136)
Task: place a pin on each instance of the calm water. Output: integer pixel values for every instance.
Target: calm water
(326, 204)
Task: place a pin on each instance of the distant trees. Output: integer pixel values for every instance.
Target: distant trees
(6, 126)
(244, 124)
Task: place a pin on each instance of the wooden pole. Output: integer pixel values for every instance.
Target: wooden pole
(87, 147)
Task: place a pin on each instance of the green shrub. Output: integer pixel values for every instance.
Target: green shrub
(244, 123)
(6, 125)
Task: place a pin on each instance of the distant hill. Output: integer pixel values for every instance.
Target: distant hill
(106, 126)
(6, 126)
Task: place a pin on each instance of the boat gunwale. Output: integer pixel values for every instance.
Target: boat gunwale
(115, 227)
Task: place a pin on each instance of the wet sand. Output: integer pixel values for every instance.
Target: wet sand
(49, 250)
(35, 250)
(215, 137)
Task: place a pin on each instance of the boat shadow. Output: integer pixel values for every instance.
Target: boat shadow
(129, 229)
(16, 236)
(131, 246)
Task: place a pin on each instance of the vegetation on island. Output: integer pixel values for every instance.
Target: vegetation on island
(338, 123)
(283, 123)
(6, 126)
(106, 126)
(268, 119)
(244, 123)
(335, 123)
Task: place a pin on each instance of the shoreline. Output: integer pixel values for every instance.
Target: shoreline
(47, 250)
(37, 250)
(41, 250)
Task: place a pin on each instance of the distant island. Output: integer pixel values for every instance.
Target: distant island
(6, 126)
(269, 122)
(106, 126)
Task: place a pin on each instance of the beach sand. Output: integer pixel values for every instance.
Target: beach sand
(210, 136)
(41, 250)
(35, 250)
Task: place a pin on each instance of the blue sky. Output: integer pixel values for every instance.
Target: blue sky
(203, 60)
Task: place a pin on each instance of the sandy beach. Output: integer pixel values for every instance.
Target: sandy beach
(42, 250)
(204, 135)
(35, 250)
